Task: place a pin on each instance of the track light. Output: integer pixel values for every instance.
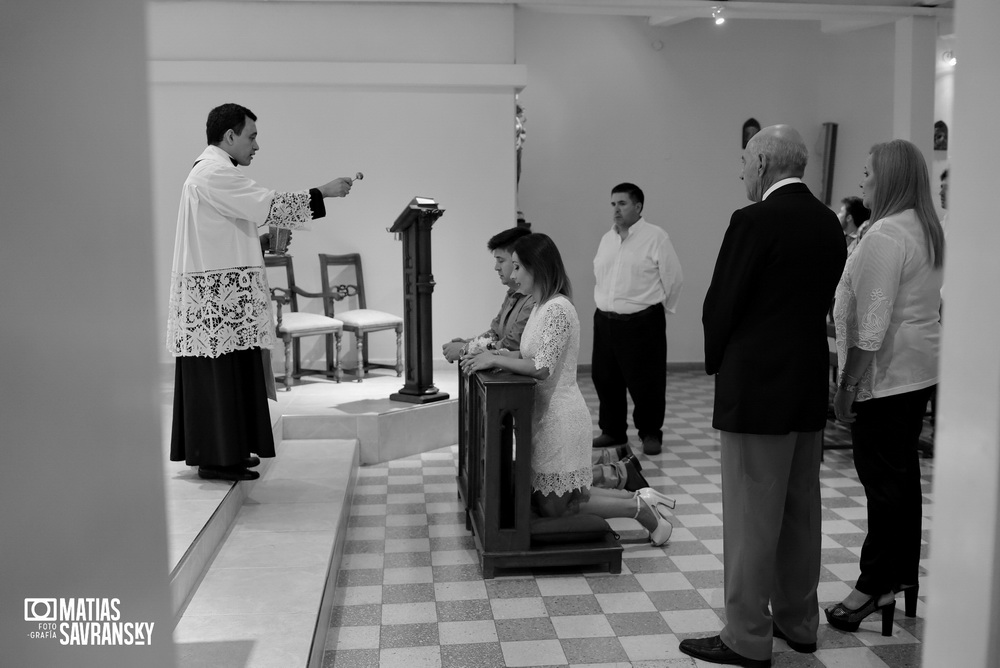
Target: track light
(717, 15)
(949, 58)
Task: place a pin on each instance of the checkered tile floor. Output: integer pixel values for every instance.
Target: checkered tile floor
(410, 592)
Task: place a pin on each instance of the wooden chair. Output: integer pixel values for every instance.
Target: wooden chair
(293, 325)
(362, 320)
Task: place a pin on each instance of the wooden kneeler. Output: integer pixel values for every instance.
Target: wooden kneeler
(494, 481)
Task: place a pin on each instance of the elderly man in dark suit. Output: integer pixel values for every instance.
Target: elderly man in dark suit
(765, 341)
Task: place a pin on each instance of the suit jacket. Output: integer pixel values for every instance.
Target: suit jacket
(765, 314)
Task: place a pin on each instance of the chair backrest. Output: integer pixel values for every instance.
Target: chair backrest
(337, 292)
(286, 262)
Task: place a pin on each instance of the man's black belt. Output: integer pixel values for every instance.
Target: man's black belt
(648, 311)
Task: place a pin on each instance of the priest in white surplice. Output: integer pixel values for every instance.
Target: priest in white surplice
(220, 308)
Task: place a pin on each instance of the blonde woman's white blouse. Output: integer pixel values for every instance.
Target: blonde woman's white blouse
(889, 301)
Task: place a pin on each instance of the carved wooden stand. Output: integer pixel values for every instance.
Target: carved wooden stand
(494, 478)
(414, 226)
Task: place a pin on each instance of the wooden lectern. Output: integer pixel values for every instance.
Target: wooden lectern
(414, 227)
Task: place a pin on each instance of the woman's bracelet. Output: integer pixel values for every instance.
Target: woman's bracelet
(847, 387)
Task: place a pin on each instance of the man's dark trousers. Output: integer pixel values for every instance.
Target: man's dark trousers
(630, 354)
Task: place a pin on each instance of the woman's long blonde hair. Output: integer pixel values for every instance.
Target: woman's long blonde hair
(902, 182)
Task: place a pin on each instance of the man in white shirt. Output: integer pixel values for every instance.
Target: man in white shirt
(639, 279)
(220, 308)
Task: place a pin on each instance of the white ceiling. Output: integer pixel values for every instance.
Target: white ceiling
(833, 15)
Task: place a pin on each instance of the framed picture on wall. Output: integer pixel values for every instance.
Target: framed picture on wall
(940, 136)
(750, 128)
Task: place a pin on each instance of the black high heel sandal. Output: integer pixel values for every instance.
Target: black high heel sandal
(909, 599)
(841, 617)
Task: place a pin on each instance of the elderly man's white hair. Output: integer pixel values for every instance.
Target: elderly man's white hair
(784, 147)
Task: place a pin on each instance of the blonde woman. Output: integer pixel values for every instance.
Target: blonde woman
(887, 315)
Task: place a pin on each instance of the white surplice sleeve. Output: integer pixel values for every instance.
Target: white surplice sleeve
(239, 197)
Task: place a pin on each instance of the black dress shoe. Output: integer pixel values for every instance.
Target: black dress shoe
(713, 650)
(651, 445)
(634, 481)
(801, 647)
(635, 461)
(220, 473)
(608, 441)
(251, 462)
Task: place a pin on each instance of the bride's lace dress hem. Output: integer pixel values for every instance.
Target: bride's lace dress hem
(562, 481)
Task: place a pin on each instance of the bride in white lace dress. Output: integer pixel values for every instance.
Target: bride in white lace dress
(562, 429)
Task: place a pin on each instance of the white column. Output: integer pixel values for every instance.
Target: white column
(964, 597)
(81, 472)
(913, 93)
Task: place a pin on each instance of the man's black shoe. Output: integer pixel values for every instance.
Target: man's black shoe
(651, 445)
(251, 462)
(713, 650)
(801, 647)
(218, 473)
(607, 441)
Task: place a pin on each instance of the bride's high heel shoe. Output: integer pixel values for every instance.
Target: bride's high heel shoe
(661, 534)
(652, 497)
(841, 617)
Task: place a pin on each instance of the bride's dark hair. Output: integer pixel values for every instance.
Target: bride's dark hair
(538, 254)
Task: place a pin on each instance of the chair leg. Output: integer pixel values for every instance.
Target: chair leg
(297, 358)
(399, 351)
(288, 365)
(363, 351)
(360, 339)
(336, 358)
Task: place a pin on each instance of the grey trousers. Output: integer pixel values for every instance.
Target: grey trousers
(771, 538)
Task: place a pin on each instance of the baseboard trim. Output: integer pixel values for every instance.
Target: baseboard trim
(671, 366)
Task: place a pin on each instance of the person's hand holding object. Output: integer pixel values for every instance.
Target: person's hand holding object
(336, 188)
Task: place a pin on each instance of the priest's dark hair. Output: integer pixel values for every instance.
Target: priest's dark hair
(225, 117)
(538, 254)
(505, 240)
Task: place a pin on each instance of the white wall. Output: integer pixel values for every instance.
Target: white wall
(964, 591)
(605, 106)
(450, 138)
(855, 91)
(81, 487)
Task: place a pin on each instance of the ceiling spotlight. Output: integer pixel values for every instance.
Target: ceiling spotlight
(949, 58)
(717, 15)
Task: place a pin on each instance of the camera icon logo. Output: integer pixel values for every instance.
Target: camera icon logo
(40, 610)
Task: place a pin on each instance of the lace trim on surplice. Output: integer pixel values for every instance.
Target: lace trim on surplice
(215, 312)
(289, 210)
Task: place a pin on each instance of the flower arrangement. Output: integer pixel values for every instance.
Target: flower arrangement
(480, 344)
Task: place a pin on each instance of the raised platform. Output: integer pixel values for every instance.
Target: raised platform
(385, 429)
(252, 563)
